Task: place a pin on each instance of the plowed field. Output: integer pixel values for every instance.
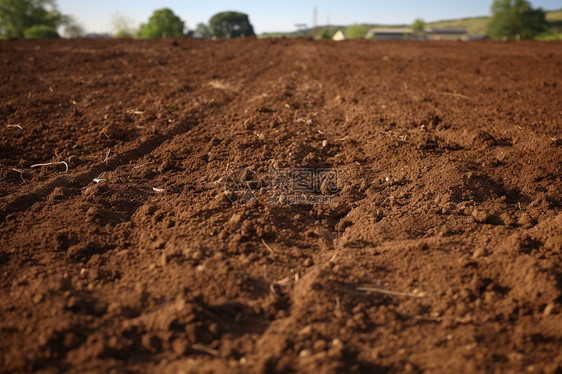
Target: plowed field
(276, 206)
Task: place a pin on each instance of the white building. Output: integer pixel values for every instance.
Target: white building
(339, 35)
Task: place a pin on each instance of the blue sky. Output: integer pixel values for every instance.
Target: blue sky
(282, 15)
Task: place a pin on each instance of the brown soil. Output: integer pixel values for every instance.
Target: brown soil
(449, 179)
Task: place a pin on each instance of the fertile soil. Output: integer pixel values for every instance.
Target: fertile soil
(440, 251)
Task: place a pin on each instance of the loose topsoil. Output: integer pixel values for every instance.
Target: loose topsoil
(167, 245)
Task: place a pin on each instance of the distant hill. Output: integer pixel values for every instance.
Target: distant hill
(474, 25)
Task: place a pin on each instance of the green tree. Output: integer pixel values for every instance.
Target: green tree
(203, 30)
(356, 31)
(162, 24)
(18, 15)
(231, 25)
(515, 18)
(327, 32)
(41, 32)
(418, 25)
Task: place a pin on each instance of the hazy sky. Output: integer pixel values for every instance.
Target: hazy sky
(282, 15)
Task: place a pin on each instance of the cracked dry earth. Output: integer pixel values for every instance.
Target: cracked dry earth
(441, 251)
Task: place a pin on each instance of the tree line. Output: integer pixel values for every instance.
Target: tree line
(164, 23)
(41, 19)
(511, 19)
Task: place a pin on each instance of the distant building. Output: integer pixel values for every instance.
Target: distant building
(392, 33)
(404, 33)
(339, 35)
(447, 34)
